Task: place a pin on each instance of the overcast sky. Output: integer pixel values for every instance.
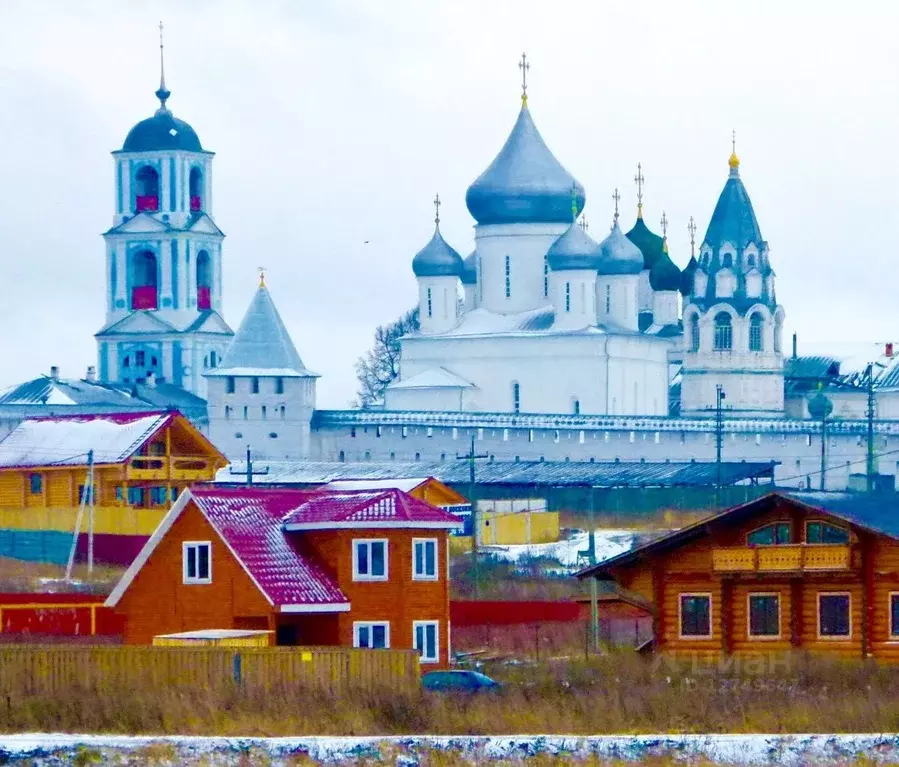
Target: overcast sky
(335, 123)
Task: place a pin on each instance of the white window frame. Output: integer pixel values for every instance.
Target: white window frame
(680, 618)
(764, 637)
(185, 577)
(369, 625)
(839, 637)
(424, 624)
(424, 576)
(357, 576)
(894, 630)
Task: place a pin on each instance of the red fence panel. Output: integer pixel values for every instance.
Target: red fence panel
(58, 615)
(483, 613)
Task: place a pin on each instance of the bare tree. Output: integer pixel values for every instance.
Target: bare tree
(380, 365)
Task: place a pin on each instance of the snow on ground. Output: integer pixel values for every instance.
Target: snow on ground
(792, 750)
(609, 543)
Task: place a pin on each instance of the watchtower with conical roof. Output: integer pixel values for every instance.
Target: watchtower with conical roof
(163, 258)
(733, 325)
(262, 396)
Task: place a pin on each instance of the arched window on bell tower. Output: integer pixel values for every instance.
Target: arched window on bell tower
(146, 189)
(196, 189)
(204, 281)
(144, 281)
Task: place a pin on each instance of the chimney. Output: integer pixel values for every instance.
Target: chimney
(888, 350)
(151, 379)
(795, 346)
(91, 375)
(54, 373)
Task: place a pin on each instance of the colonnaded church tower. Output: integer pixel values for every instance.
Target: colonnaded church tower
(163, 258)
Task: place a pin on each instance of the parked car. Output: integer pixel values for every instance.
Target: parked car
(467, 681)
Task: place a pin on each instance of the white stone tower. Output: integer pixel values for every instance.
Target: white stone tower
(163, 259)
(732, 322)
(261, 396)
(437, 268)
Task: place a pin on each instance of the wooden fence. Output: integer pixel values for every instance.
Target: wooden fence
(54, 670)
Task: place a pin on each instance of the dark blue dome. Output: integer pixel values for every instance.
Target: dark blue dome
(437, 259)
(470, 269)
(573, 250)
(525, 183)
(664, 275)
(162, 131)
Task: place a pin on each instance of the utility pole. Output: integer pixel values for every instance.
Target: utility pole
(594, 597)
(471, 457)
(870, 415)
(251, 472)
(719, 435)
(87, 491)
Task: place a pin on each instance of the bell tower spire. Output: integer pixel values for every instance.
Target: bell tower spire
(162, 92)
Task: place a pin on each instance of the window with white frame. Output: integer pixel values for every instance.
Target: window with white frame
(370, 560)
(197, 561)
(371, 635)
(424, 559)
(425, 639)
(834, 616)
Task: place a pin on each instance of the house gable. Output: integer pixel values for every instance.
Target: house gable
(157, 601)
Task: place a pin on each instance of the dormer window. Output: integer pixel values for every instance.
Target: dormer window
(196, 190)
(146, 189)
(204, 281)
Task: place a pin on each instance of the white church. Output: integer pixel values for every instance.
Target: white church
(542, 344)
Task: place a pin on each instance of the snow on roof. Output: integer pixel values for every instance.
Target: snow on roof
(406, 485)
(433, 378)
(66, 440)
(214, 634)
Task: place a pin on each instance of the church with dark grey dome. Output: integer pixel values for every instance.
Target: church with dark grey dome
(542, 318)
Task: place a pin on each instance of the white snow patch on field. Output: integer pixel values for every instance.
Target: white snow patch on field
(791, 750)
(609, 543)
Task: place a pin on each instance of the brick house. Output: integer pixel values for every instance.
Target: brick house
(317, 567)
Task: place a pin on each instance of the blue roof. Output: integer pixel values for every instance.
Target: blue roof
(664, 274)
(617, 254)
(437, 259)
(162, 131)
(470, 269)
(262, 345)
(687, 276)
(525, 183)
(734, 219)
(575, 249)
(649, 243)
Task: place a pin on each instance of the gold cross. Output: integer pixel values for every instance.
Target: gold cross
(616, 197)
(524, 67)
(691, 228)
(261, 270)
(664, 223)
(585, 227)
(638, 180)
(437, 205)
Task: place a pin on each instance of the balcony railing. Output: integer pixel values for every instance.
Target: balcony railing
(148, 202)
(802, 557)
(143, 297)
(176, 467)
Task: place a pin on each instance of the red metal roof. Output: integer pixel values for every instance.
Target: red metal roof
(388, 508)
(251, 523)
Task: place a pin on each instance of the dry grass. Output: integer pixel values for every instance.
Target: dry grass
(19, 576)
(617, 693)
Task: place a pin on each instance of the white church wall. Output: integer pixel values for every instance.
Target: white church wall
(525, 246)
(438, 299)
(644, 292)
(573, 293)
(665, 307)
(797, 449)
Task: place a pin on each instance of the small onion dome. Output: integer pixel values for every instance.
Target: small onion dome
(650, 243)
(616, 254)
(525, 183)
(575, 249)
(686, 282)
(470, 269)
(437, 259)
(820, 406)
(665, 275)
